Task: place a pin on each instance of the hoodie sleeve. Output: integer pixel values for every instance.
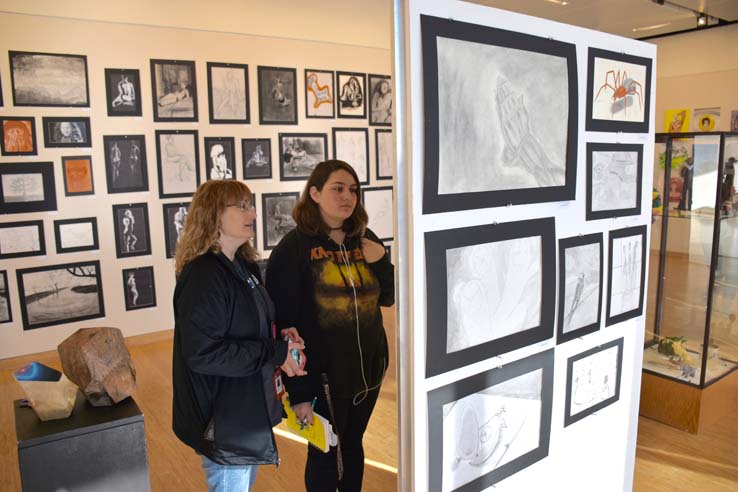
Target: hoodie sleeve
(385, 273)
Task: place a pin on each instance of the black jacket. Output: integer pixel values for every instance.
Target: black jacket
(224, 358)
(311, 289)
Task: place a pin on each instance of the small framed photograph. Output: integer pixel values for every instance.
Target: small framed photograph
(614, 173)
(257, 158)
(73, 235)
(125, 163)
(19, 135)
(6, 315)
(177, 162)
(319, 94)
(487, 427)
(78, 179)
(627, 274)
(276, 209)
(299, 153)
(352, 145)
(491, 290)
(277, 96)
(380, 100)
(383, 153)
(131, 224)
(351, 95)
(67, 131)
(220, 155)
(174, 220)
(593, 380)
(60, 294)
(618, 92)
(228, 93)
(580, 286)
(379, 205)
(174, 90)
(49, 79)
(138, 285)
(21, 239)
(27, 187)
(123, 91)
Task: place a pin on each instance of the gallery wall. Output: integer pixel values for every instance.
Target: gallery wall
(486, 398)
(119, 45)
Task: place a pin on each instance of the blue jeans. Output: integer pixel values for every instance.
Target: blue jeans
(228, 478)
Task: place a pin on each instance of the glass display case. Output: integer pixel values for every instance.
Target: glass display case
(691, 325)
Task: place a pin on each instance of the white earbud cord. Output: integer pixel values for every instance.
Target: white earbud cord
(361, 395)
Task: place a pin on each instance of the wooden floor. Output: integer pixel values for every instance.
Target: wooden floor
(667, 459)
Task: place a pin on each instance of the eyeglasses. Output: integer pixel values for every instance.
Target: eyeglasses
(244, 206)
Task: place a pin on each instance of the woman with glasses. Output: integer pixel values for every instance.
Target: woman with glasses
(227, 359)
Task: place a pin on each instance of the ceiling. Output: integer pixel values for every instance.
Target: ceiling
(626, 18)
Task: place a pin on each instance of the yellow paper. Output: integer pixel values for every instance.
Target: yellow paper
(317, 434)
(676, 120)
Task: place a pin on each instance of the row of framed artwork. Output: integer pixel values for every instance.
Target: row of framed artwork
(489, 426)
(61, 80)
(491, 289)
(530, 114)
(71, 292)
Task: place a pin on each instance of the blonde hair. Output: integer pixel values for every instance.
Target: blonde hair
(202, 226)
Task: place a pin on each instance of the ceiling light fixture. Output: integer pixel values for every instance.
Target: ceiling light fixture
(558, 2)
(649, 28)
(702, 20)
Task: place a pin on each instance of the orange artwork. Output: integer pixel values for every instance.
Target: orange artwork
(321, 93)
(17, 136)
(78, 175)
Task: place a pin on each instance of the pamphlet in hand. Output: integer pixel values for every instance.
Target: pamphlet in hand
(320, 434)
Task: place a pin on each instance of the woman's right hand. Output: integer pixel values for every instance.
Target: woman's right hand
(289, 366)
(304, 412)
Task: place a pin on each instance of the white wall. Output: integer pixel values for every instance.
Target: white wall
(117, 45)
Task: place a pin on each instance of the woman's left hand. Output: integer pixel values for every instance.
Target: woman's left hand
(372, 251)
(292, 333)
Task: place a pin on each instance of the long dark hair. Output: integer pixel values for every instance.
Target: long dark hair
(307, 213)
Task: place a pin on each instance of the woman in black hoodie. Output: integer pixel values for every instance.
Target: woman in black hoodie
(329, 277)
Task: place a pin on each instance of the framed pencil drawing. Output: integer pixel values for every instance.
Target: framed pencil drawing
(67, 131)
(174, 90)
(352, 95)
(228, 93)
(379, 205)
(49, 79)
(626, 274)
(131, 228)
(614, 174)
(512, 160)
(21, 239)
(618, 92)
(139, 288)
(220, 158)
(383, 153)
(276, 209)
(78, 179)
(319, 94)
(27, 187)
(174, 220)
(491, 289)
(73, 235)
(6, 314)
(380, 100)
(277, 95)
(177, 162)
(123, 91)
(19, 135)
(352, 145)
(125, 163)
(299, 153)
(257, 158)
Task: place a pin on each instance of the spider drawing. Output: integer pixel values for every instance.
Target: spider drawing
(621, 88)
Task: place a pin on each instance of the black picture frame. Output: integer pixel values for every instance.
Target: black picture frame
(606, 213)
(388, 225)
(15, 181)
(350, 100)
(126, 168)
(317, 96)
(565, 310)
(174, 219)
(626, 232)
(123, 91)
(93, 243)
(174, 90)
(378, 154)
(520, 373)
(380, 111)
(6, 311)
(1, 102)
(49, 79)
(256, 162)
(237, 90)
(570, 381)
(78, 175)
(73, 300)
(438, 300)
(228, 152)
(292, 169)
(139, 289)
(174, 163)
(77, 127)
(361, 168)
(276, 225)
(16, 124)
(14, 251)
(593, 124)
(277, 95)
(135, 241)
(434, 28)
